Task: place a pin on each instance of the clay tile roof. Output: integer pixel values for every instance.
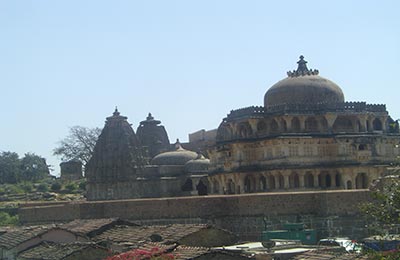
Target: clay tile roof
(170, 234)
(55, 251)
(186, 252)
(328, 255)
(14, 237)
(91, 227)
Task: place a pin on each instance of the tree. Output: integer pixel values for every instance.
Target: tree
(79, 144)
(383, 212)
(33, 168)
(9, 167)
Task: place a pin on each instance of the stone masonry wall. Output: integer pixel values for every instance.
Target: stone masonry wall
(331, 212)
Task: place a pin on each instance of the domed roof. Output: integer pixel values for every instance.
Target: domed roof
(303, 86)
(200, 164)
(178, 157)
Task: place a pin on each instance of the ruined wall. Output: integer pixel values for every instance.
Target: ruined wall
(333, 211)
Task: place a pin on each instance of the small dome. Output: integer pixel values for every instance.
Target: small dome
(178, 157)
(198, 165)
(303, 86)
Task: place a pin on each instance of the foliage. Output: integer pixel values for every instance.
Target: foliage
(79, 144)
(82, 185)
(141, 254)
(33, 168)
(10, 166)
(387, 255)
(6, 219)
(42, 187)
(383, 212)
(71, 187)
(26, 186)
(56, 186)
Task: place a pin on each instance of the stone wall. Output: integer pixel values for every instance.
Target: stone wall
(331, 212)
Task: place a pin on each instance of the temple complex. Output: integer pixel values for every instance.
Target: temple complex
(304, 137)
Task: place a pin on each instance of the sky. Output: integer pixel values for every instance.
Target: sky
(68, 63)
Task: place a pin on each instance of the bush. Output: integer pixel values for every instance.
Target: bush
(82, 185)
(26, 187)
(56, 186)
(71, 187)
(6, 219)
(43, 187)
(14, 189)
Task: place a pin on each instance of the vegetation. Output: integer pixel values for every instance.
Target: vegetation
(79, 144)
(7, 220)
(141, 254)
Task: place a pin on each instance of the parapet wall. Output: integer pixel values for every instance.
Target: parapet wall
(321, 203)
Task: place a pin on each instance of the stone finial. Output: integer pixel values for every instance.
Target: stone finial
(178, 145)
(149, 117)
(302, 69)
(116, 113)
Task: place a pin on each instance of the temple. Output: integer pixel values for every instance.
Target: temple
(304, 137)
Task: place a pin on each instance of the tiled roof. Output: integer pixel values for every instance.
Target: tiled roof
(186, 252)
(169, 234)
(91, 227)
(54, 251)
(14, 237)
(328, 255)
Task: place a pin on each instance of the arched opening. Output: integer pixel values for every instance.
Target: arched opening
(309, 180)
(328, 180)
(249, 184)
(245, 130)
(216, 187)
(262, 183)
(188, 185)
(343, 124)
(201, 188)
(274, 127)
(224, 133)
(361, 147)
(262, 127)
(349, 185)
(281, 182)
(361, 181)
(271, 182)
(295, 125)
(338, 179)
(311, 125)
(377, 124)
(294, 180)
(230, 187)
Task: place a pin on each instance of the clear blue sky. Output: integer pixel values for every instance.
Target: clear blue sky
(66, 63)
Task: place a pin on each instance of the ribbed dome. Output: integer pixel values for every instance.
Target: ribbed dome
(178, 157)
(303, 86)
(198, 165)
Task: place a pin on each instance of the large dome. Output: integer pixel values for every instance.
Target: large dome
(303, 86)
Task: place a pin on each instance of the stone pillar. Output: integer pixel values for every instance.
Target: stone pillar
(316, 182)
(330, 118)
(363, 122)
(302, 120)
(333, 180)
(276, 177)
(288, 120)
(286, 179)
(253, 124)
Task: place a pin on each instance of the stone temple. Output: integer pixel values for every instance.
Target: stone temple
(304, 137)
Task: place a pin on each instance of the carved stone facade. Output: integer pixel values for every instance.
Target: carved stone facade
(118, 168)
(304, 137)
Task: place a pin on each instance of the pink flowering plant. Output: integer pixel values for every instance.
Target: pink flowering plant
(142, 254)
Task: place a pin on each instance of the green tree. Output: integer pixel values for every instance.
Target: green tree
(33, 168)
(79, 144)
(383, 212)
(9, 167)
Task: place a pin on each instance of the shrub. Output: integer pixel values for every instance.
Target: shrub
(82, 185)
(43, 187)
(6, 219)
(56, 186)
(26, 187)
(71, 187)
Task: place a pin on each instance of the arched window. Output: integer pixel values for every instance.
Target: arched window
(262, 127)
(295, 125)
(349, 185)
(188, 185)
(311, 125)
(361, 181)
(294, 180)
(309, 180)
(271, 182)
(201, 188)
(377, 124)
(274, 127)
(343, 124)
(338, 180)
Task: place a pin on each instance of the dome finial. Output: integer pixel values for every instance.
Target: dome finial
(302, 69)
(150, 117)
(116, 113)
(178, 145)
